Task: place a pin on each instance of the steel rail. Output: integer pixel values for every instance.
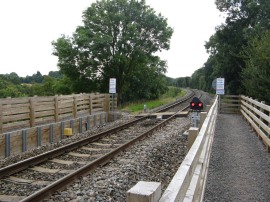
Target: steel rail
(177, 102)
(68, 179)
(24, 164)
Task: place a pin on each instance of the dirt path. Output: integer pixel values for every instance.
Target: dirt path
(239, 167)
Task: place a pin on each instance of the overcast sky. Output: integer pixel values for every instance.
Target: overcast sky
(29, 26)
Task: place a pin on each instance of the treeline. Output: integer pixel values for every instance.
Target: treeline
(11, 85)
(182, 82)
(239, 50)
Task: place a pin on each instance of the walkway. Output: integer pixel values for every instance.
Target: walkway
(239, 167)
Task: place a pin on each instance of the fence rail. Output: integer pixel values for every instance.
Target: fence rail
(26, 123)
(189, 181)
(188, 184)
(18, 113)
(229, 104)
(256, 113)
(258, 116)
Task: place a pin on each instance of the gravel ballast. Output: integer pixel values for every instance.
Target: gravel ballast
(239, 167)
(155, 158)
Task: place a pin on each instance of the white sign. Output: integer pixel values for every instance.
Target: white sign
(220, 86)
(220, 83)
(220, 91)
(112, 87)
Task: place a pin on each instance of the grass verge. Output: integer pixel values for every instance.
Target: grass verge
(168, 97)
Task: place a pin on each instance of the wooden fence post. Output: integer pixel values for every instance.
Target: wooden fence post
(75, 106)
(1, 118)
(262, 110)
(32, 112)
(107, 103)
(90, 103)
(56, 109)
(115, 101)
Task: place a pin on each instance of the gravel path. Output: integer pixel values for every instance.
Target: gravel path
(239, 167)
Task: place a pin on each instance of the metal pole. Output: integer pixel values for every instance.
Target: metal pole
(197, 120)
(113, 102)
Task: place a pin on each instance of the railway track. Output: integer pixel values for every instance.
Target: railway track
(55, 169)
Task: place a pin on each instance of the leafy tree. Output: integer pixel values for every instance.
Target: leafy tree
(151, 88)
(118, 39)
(9, 89)
(245, 20)
(35, 78)
(198, 79)
(183, 82)
(55, 74)
(257, 72)
(170, 81)
(63, 86)
(38, 78)
(14, 78)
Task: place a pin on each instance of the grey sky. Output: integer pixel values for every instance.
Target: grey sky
(28, 27)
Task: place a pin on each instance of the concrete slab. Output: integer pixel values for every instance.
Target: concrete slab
(144, 192)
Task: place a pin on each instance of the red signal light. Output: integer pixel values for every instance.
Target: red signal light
(200, 104)
(192, 104)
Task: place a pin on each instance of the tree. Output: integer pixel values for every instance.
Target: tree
(35, 78)
(118, 39)
(38, 78)
(147, 83)
(9, 86)
(55, 74)
(257, 72)
(170, 81)
(14, 78)
(183, 82)
(198, 79)
(244, 21)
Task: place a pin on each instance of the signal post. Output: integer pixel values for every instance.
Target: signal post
(196, 106)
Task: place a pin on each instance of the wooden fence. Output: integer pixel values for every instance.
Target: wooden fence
(258, 116)
(188, 184)
(17, 113)
(256, 113)
(16, 142)
(229, 104)
(27, 123)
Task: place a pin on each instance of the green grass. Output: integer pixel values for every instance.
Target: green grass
(171, 95)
